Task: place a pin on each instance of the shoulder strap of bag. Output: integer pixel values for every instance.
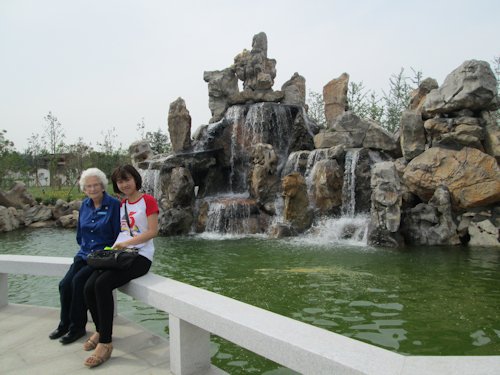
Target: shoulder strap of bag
(128, 222)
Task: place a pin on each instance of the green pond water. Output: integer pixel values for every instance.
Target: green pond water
(420, 301)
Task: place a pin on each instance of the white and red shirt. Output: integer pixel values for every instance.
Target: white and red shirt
(138, 213)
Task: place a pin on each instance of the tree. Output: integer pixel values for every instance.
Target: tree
(141, 129)
(78, 160)
(54, 138)
(35, 150)
(396, 101)
(316, 108)
(363, 103)
(159, 141)
(109, 137)
(5, 144)
(11, 162)
(53, 134)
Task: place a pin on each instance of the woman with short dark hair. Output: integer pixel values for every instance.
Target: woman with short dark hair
(139, 225)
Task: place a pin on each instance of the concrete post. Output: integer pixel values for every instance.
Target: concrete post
(189, 347)
(4, 289)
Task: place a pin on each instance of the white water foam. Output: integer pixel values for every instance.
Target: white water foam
(350, 231)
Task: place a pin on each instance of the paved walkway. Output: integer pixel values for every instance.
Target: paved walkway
(26, 349)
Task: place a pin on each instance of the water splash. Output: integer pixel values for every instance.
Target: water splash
(351, 231)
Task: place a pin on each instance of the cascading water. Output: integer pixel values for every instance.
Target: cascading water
(263, 123)
(350, 228)
(151, 182)
(349, 187)
(230, 214)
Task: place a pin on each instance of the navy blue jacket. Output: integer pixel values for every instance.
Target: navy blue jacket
(97, 228)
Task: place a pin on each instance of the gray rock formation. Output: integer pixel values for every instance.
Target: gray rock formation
(176, 216)
(140, 151)
(9, 219)
(432, 223)
(412, 134)
(254, 68)
(455, 132)
(18, 196)
(296, 205)
(68, 221)
(326, 181)
(222, 84)
(38, 213)
(353, 132)
(417, 97)
(386, 200)
(470, 86)
(63, 208)
(294, 91)
(264, 181)
(179, 126)
(483, 233)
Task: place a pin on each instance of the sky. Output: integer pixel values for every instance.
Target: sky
(99, 65)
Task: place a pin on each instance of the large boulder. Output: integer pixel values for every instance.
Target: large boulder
(386, 199)
(455, 132)
(38, 213)
(335, 97)
(326, 180)
(417, 97)
(294, 91)
(264, 181)
(483, 233)
(140, 151)
(9, 219)
(470, 86)
(352, 132)
(412, 134)
(178, 188)
(472, 176)
(179, 126)
(221, 85)
(432, 223)
(296, 207)
(18, 196)
(68, 221)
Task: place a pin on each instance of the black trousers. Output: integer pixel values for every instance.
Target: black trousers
(73, 306)
(99, 294)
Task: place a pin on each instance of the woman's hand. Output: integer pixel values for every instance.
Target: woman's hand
(120, 246)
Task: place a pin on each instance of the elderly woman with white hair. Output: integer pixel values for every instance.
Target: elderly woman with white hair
(98, 227)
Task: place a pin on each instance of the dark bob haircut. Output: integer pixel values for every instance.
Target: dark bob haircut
(124, 172)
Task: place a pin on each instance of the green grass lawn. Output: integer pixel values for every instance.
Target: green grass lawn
(49, 195)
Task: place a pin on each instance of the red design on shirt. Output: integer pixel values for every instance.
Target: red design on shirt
(131, 218)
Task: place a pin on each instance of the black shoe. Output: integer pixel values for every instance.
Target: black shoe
(72, 337)
(58, 332)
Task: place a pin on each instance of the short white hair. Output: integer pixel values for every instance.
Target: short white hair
(93, 172)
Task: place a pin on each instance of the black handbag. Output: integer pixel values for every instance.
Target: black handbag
(114, 259)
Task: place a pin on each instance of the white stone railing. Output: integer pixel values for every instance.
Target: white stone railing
(195, 313)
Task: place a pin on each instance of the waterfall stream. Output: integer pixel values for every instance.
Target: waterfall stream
(349, 187)
(151, 182)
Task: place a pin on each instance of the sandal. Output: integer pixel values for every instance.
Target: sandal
(94, 360)
(92, 342)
